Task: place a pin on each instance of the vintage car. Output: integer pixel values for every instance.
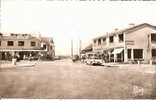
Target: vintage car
(75, 58)
(93, 59)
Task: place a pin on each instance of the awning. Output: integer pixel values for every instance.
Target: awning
(117, 51)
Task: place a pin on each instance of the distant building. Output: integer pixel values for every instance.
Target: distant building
(134, 43)
(47, 44)
(23, 46)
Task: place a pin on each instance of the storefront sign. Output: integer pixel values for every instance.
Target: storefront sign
(129, 42)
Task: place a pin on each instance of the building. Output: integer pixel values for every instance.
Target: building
(135, 43)
(23, 46)
(87, 49)
(47, 44)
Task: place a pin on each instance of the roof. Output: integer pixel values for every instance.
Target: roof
(18, 37)
(102, 36)
(128, 30)
(47, 40)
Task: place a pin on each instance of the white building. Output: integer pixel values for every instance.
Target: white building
(131, 44)
(23, 46)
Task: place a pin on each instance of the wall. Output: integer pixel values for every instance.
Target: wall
(107, 45)
(27, 44)
(139, 40)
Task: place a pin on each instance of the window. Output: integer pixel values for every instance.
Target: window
(99, 41)
(44, 46)
(129, 53)
(153, 53)
(94, 41)
(51, 41)
(121, 37)
(104, 39)
(33, 43)
(138, 53)
(111, 39)
(1, 34)
(153, 37)
(10, 43)
(20, 43)
(12, 34)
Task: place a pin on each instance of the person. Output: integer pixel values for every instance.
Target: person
(39, 57)
(83, 58)
(105, 57)
(14, 59)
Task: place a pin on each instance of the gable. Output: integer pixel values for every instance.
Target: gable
(139, 27)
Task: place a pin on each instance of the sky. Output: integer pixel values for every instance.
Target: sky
(67, 21)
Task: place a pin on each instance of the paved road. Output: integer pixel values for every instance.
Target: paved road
(65, 79)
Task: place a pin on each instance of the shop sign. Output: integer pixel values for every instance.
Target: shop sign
(129, 42)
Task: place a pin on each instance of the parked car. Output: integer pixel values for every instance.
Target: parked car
(93, 59)
(75, 58)
(33, 58)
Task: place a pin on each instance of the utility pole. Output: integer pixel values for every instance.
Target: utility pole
(79, 47)
(71, 48)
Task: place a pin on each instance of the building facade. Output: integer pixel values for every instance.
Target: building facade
(47, 44)
(23, 46)
(134, 43)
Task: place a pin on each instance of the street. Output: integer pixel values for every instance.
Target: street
(65, 79)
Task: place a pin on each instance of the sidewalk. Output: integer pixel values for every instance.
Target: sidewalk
(18, 64)
(145, 68)
(26, 63)
(7, 65)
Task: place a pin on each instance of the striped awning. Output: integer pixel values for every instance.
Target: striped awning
(117, 51)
